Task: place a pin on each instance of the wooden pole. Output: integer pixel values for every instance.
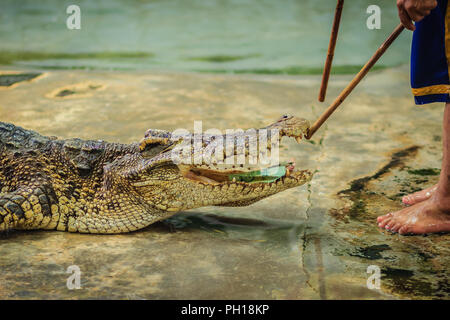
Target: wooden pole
(362, 73)
(331, 47)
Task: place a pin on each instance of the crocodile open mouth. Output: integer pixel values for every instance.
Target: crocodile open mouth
(263, 175)
(160, 146)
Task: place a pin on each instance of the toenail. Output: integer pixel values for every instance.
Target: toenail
(428, 194)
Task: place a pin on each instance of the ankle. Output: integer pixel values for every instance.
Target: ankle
(443, 190)
(442, 201)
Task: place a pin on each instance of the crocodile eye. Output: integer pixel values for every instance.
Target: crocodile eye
(152, 150)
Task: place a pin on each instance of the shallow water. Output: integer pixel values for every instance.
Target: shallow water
(311, 242)
(209, 35)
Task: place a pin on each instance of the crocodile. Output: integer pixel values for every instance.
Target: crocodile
(93, 186)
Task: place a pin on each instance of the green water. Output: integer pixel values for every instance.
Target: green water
(221, 36)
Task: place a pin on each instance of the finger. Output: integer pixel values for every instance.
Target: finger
(405, 19)
(430, 5)
(418, 17)
(417, 14)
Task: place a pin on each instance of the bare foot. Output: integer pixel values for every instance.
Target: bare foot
(429, 216)
(419, 196)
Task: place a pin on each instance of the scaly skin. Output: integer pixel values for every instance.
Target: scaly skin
(99, 187)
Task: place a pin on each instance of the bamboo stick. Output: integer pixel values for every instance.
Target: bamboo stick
(356, 80)
(331, 47)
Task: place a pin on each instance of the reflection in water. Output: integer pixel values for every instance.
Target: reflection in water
(320, 268)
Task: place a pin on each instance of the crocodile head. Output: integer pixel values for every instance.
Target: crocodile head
(163, 183)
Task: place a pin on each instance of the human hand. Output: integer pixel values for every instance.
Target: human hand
(414, 10)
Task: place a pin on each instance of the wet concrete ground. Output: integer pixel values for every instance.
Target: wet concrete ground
(311, 242)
